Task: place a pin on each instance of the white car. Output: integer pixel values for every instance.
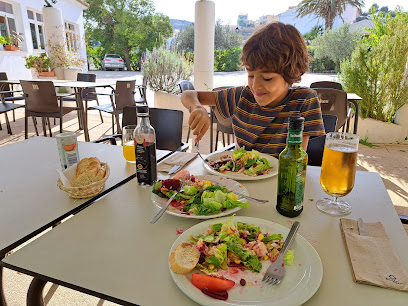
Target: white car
(113, 61)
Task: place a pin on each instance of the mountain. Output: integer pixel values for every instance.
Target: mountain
(179, 24)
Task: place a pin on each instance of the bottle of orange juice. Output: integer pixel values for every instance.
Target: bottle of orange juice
(68, 149)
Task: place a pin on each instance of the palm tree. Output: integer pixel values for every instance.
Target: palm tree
(326, 9)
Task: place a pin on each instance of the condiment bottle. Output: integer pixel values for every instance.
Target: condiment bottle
(145, 148)
(292, 171)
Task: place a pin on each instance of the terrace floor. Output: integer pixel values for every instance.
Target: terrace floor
(390, 160)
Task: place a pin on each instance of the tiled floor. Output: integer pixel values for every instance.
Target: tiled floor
(390, 160)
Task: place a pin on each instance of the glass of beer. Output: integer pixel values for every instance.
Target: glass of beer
(338, 171)
(128, 143)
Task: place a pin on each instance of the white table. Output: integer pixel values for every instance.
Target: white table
(110, 250)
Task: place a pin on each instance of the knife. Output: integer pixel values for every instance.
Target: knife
(174, 169)
(362, 229)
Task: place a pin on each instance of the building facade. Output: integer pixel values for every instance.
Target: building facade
(26, 18)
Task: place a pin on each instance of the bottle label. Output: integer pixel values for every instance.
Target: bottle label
(300, 187)
(295, 137)
(146, 168)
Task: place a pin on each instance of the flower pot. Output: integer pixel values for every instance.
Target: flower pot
(47, 73)
(11, 48)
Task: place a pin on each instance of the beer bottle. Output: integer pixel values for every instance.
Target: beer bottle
(145, 148)
(292, 171)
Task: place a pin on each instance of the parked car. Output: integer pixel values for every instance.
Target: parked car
(113, 61)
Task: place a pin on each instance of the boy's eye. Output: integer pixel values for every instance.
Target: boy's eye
(250, 76)
(270, 79)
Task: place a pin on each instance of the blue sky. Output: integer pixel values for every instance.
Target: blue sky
(228, 10)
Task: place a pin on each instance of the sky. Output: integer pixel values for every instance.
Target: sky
(228, 10)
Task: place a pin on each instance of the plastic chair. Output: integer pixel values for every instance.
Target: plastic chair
(326, 84)
(123, 95)
(87, 93)
(42, 101)
(168, 125)
(316, 144)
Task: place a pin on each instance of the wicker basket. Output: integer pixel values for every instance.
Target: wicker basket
(87, 191)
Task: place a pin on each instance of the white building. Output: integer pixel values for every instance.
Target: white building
(25, 17)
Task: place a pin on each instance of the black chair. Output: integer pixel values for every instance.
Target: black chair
(316, 144)
(43, 101)
(326, 84)
(88, 94)
(168, 125)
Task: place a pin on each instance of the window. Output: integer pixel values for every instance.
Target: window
(72, 41)
(36, 29)
(7, 22)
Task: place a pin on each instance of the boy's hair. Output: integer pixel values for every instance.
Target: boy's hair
(280, 48)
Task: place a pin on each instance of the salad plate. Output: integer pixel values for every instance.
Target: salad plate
(301, 281)
(230, 184)
(241, 176)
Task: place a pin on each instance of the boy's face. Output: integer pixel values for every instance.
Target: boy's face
(269, 88)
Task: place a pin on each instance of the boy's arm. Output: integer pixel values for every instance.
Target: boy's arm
(305, 142)
(194, 101)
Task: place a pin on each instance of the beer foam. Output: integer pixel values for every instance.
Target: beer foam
(341, 148)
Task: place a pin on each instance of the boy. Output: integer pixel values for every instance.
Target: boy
(275, 57)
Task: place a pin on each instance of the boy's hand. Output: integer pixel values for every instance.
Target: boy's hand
(199, 122)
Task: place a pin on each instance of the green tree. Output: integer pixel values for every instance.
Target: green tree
(125, 25)
(335, 44)
(326, 9)
(377, 70)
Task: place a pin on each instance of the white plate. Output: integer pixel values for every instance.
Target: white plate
(222, 181)
(300, 283)
(241, 176)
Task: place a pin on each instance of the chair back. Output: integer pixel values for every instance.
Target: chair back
(124, 94)
(40, 96)
(326, 84)
(226, 123)
(334, 102)
(87, 77)
(168, 124)
(3, 86)
(315, 147)
(186, 85)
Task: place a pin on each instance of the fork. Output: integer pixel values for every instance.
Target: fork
(184, 182)
(206, 160)
(275, 272)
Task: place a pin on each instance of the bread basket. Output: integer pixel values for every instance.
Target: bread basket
(87, 191)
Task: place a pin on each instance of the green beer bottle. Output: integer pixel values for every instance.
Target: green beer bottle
(292, 171)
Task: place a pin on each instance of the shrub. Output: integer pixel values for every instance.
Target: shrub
(227, 59)
(41, 63)
(95, 54)
(377, 70)
(164, 69)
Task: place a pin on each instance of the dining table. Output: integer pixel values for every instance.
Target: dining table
(112, 251)
(30, 200)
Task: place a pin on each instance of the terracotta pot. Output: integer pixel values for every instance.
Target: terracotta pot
(11, 48)
(47, 73)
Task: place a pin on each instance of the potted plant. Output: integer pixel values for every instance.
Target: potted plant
(3, 41)
(13, 41)
(70, 62)
(164, 70)
(41, 63)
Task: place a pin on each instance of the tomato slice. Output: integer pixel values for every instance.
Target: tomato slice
(211, 283)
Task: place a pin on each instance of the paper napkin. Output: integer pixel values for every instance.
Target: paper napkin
(373, 258)
(177, 158)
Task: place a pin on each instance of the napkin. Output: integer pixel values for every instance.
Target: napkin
(177, 158)
(373, 258)
(67, 175)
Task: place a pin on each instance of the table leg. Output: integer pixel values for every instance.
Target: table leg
(83, 112)
(35, 293)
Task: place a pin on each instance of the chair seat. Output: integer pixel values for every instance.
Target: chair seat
(5, 107)
(105, 108)
(16, 98)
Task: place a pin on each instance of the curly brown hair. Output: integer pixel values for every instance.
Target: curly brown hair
(278, 47)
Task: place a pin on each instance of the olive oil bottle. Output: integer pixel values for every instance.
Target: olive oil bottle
(292, 171)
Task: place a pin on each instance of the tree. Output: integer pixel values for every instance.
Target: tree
(224, 38)
(326, 9)
(125, 25)
(335, 44)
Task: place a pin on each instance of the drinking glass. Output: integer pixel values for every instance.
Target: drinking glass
(128, 143)
(338, 171)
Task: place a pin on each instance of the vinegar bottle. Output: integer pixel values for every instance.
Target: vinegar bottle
(145, 148)
(292, 171)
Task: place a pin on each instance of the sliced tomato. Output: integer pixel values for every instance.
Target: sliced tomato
(182, 174)
(211, 283)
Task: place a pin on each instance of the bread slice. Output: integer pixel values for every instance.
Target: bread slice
(184, 258)
(88, 172)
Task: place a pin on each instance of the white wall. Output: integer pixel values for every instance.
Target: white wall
(12, 62)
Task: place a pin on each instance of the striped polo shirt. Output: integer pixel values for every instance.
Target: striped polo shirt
(265, 128)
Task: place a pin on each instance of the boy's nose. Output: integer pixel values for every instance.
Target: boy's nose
(256, 83)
